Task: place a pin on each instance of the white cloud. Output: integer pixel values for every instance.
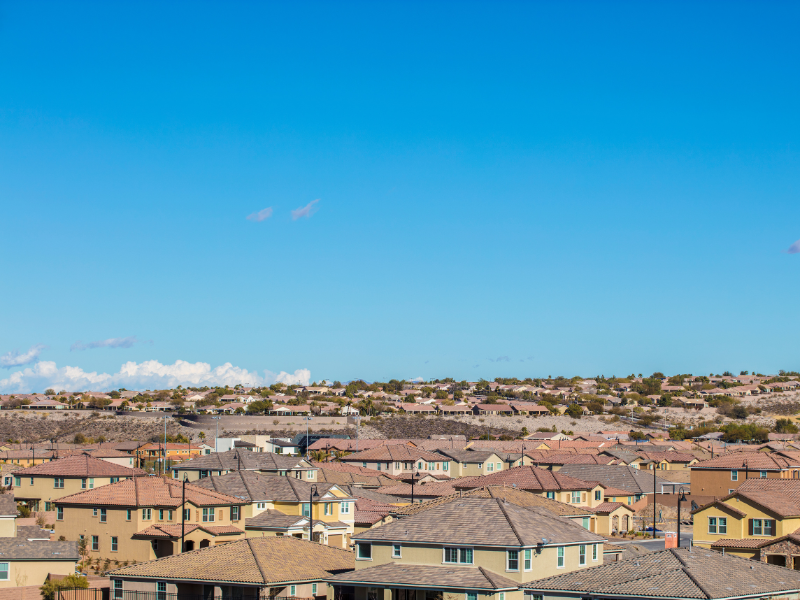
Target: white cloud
(15, 359)
(794, 248)
(306, 211)
(149, 374)
(416, 380)
(261, 215)
(125, 342)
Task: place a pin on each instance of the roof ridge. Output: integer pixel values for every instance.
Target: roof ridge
(685, 569)
(487, 575)
(246, 487)
(508, 518)
(260, 567)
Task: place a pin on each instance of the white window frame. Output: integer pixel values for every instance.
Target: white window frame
(292, 590)
(359, 547)
(560, 557)
(460, 552)
(595, 553)
(313, 589)
(117, 589)
(509, 559)
(763, 474)
(147, 514)
(581, 555)
(95, 542)
(722, 525)
(471, 596)
(235, 512)
(397, 551)
(712, 525)
(498, 467)
(7, 571)
(575, 498)
(734, 475)
(114, 543)
(344, 508)
(527, 559)
(490, 467)
(59, 513)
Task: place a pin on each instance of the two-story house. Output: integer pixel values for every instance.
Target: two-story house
(463, 549)
(284, 505)
(40, 486)
(144, 518)
(722, 475)
(220, 463)
(472, 463)
(400, 460)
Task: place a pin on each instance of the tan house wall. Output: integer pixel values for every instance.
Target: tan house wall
(543, 564)
(309, 475)
(44, 487)
(718, 482)
(474, 469)
(33, 572)
(738, 527)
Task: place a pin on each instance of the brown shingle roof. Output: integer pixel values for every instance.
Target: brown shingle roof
(81, 465)
(397, 452)
(780, 496)
(754, 461)
(481, 521)
(174, 531)
(676, 573)
(252, 486)
(526, 478)
(428, 576)
(148, 491)
(15, 548)
(244, 459)
(256, 561)
(273, 518)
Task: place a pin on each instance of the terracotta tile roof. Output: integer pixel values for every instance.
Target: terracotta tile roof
(481, 521)
(398, 453)
(526, 478)
(148, 491)
(515, 496)
(353, 445)
(360, 492)
(427, 576)
(174, 530)
(614, 492)
(780, 496)
(754, 461)
(81, 465)
(247, 460)
(345, 474)
(369, 512)
(607, 508)
(424, 490)
(676, 573)
(252, 486)
(274, 519)
(742, 543)
(575, 459)
(621, 477)
(256, 561)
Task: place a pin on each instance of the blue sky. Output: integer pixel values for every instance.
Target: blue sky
(498, 189)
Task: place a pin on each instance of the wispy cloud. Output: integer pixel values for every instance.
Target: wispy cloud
(308, 210)
(125, 342)
(149, 374)
(500, 359)
(794, 248)
(17, 359)
(261, 215)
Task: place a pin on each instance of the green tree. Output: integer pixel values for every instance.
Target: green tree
(574, 410)
(785, 426)
(71, 581)
(49, 392)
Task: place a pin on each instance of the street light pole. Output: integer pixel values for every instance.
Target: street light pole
(312, 493)
(681, 498)
(183, 512)
(216, 437)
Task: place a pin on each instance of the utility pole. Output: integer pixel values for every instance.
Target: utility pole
(312, 493)
(183, 513)
(164, 465)
(654, 501)
(681, 498)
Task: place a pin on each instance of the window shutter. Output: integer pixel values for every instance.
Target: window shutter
(197, 517)
(750, 521)
(771, 527)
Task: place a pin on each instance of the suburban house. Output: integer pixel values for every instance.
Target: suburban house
(472, 463)
(757, 514)
(637, 483)
(675, 573)
(143, 518)
(38, 487)
(269, 567)
(220, 463)
(346, 474)
(400, 460)
(721, 475)
(172, 451)
(8, 516)
(551, 484)
(464, 548)
(28, 563)
(270, 500)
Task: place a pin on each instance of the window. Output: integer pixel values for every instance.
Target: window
(292, 590)
(551, 495)
(498, 466)
(161, 590)
(561, 557)
(114, 543)
(31, 480)
(306, 510)
(365, 551)
(762, 527)
(208, 515)
(95, 543)
(723, 525)
(203, 474)
(94, 512)
(147, 514)
(472, 596)
(490, 467)
(585, 522)
(59, 513)
(118, 589)
(364, 464)
(4, 571)
(91, 483)
(502, 596)
(169, 515)
(344, 508)
(160, 514)
(310, 475)
(419, 465)
(576, 498)
(128, 514)
(17, 481)
(234, 513)
(114, 479)
(83, 484)
(763, 474)
(58, 483)
(187, 514)
(734, 475)
(327, 508)
(48, 506)
(377, 466)
(103, 515)
(458, 555)
(313, 589)
(397, 551)
(582, 556)
(261, 505)
(528, 564)
(512, 560)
